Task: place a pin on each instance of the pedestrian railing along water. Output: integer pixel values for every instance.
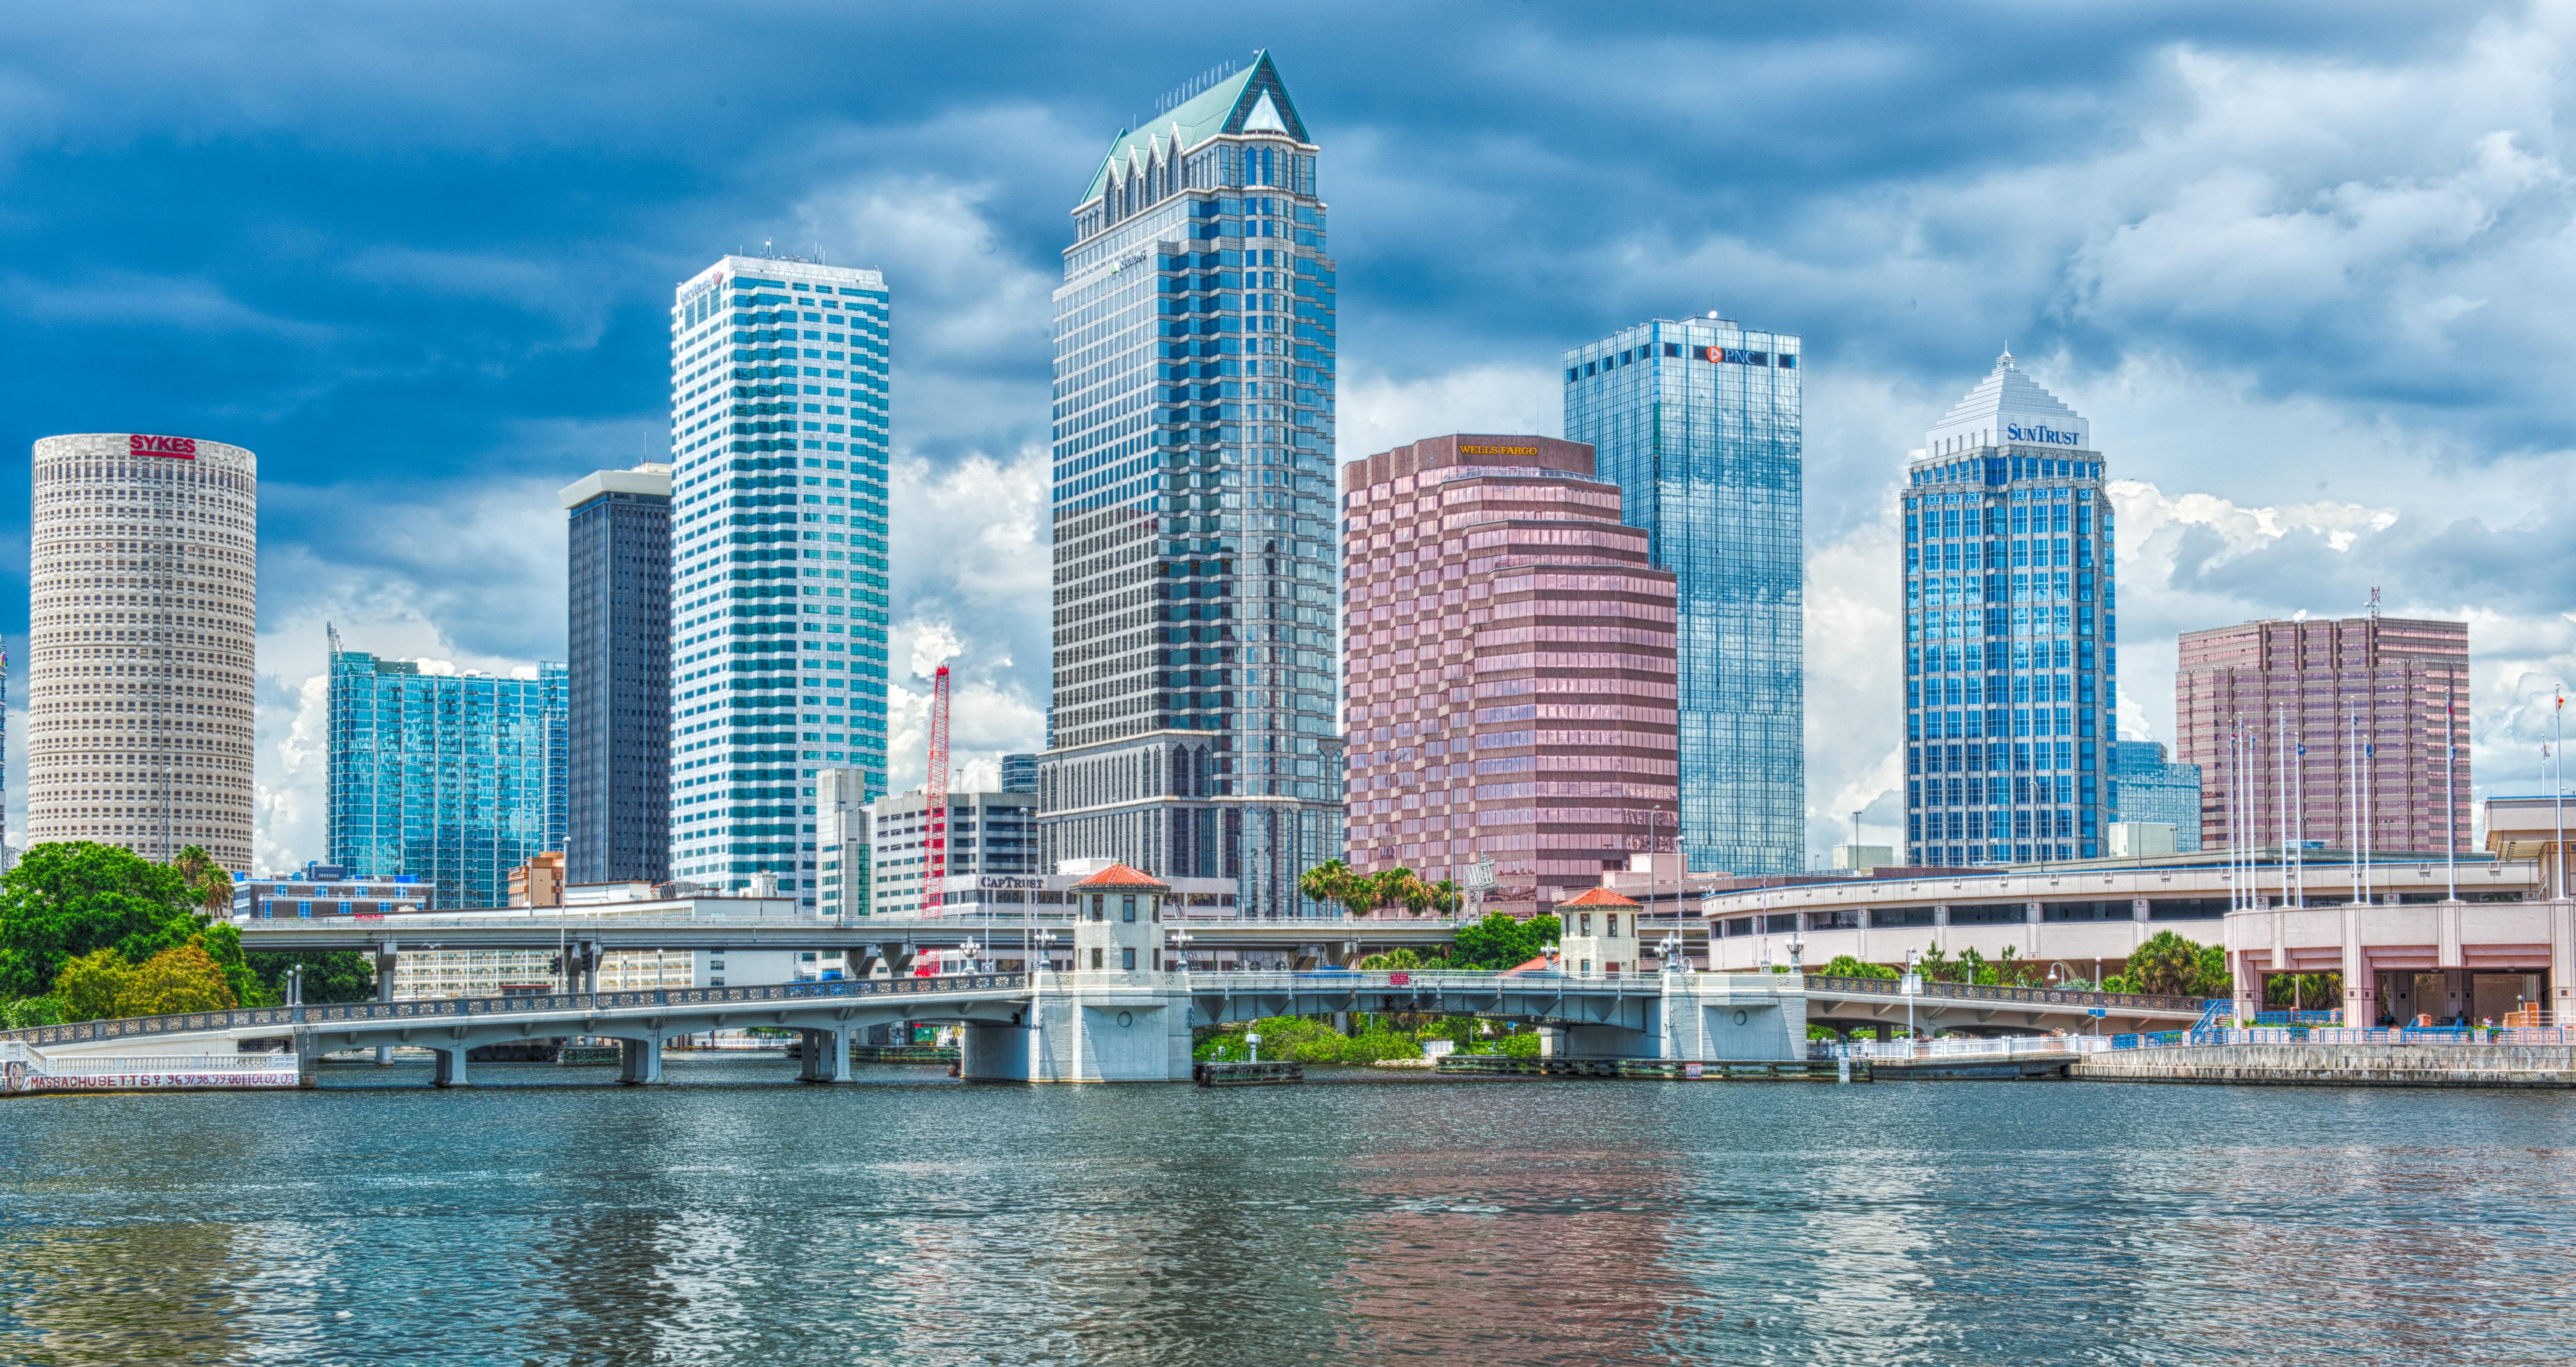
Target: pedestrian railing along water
(2038, 996)
(1954, 1047)
(446, 1010)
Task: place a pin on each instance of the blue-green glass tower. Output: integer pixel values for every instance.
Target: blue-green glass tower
(779, 392)
(1699, 422)
(455, 779)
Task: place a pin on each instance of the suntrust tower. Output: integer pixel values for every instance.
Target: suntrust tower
(2010, 634)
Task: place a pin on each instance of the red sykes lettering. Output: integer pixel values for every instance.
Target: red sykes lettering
(174, 448)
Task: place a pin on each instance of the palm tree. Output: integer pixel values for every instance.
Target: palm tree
(1392, 887)
(209, 885)
(1328, 882)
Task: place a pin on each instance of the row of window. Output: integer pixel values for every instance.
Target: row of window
(1714, 355)
(1999, 791)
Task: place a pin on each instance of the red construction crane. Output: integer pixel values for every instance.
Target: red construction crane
(935, 831)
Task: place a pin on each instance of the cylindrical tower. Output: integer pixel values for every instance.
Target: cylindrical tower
(142, 613)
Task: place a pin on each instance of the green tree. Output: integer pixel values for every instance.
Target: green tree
(184, 978)
(67, 899)
(1845, 966)
(2216, 981)
(1500, 941)
(333, 976)
(90, 986)
(2166, 964)
(210, 889)
(1329, 882)
(1393, 960)
(1972, 967)
(26, 1013)
(1935, 966)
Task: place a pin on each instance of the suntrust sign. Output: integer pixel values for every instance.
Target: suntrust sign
(2046, 435)
(172, 448)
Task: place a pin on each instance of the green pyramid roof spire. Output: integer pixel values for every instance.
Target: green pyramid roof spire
(1252, 98)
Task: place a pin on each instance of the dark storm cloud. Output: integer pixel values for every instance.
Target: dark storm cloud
(419, 257)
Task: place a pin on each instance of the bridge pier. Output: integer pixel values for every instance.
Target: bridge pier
(448, 1070)
(825, 1054)
(639, 1060)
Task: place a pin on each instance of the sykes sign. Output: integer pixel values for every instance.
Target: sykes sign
(2046, 435)
(173, 448)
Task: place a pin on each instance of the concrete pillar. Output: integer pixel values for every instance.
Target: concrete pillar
(385, 961)
(2562, 960)
(2360, 994)
(308, 1059)
(826, 1055)
(449, 1071)
(640, 1061)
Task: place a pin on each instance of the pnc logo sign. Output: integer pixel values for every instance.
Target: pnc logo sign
(2046, 435)
(173, 448)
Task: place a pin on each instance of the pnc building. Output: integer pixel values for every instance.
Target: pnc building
(2010, 632)
(1700, 424)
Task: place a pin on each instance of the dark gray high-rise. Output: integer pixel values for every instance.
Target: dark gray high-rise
(620, 713)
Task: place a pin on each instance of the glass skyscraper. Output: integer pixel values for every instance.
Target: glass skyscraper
(2146, 786)
(778, 560)
(618, 622)
(1193, 730)
(2010, 633)
(455, 779)
(1700, 425)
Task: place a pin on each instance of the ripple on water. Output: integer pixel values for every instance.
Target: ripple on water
(737, 1218)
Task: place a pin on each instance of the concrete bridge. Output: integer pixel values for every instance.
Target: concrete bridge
(1119, 1015)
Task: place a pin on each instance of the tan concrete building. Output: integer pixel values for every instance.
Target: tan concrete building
(142, 609)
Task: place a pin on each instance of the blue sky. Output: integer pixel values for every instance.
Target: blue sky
(2307, 268)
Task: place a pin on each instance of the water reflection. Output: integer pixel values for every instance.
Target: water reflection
(739, 1218)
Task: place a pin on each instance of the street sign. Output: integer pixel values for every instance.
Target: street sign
(2095, 1012)
(1911, 984)
(1480, 875)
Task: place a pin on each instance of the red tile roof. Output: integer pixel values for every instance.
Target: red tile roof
(1541, 964)
(1121, 876)
(1599, 897)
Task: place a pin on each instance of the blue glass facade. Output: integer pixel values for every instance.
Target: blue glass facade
(2010, 632)
(1700, 423)
(2146, 786)
(778, 560)
(1192, 729)
(453, 778)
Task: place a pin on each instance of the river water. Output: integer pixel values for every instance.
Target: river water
(547, 1216)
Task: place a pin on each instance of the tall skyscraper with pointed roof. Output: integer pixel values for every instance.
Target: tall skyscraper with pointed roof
(1195, 536)
(2011, 632)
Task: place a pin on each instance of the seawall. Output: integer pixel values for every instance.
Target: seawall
(2340, 1065)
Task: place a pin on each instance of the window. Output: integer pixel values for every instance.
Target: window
(1126, 957)
(1129, 910)
(1095, 958)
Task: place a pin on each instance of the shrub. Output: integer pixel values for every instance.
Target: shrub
(90, 987)
(176, 980)
(1845, 966)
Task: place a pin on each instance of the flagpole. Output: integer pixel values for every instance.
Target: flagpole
(2281, 795)
(2352, 770)
(2558, 792)
(2451, 793)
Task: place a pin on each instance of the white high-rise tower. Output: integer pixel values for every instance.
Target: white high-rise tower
(778, 550)
(143, 608)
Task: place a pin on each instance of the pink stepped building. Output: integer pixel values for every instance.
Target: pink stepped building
(2394, 692)
(1509, 669)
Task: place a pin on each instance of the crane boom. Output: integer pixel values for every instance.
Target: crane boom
(935, 830)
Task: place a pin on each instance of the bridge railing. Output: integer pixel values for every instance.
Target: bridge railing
(2043, 996)
(2004, 1047)
(448, 1010)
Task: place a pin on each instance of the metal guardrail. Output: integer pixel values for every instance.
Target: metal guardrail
(2439, 1035)
(2043, 996)
(450, 1009)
